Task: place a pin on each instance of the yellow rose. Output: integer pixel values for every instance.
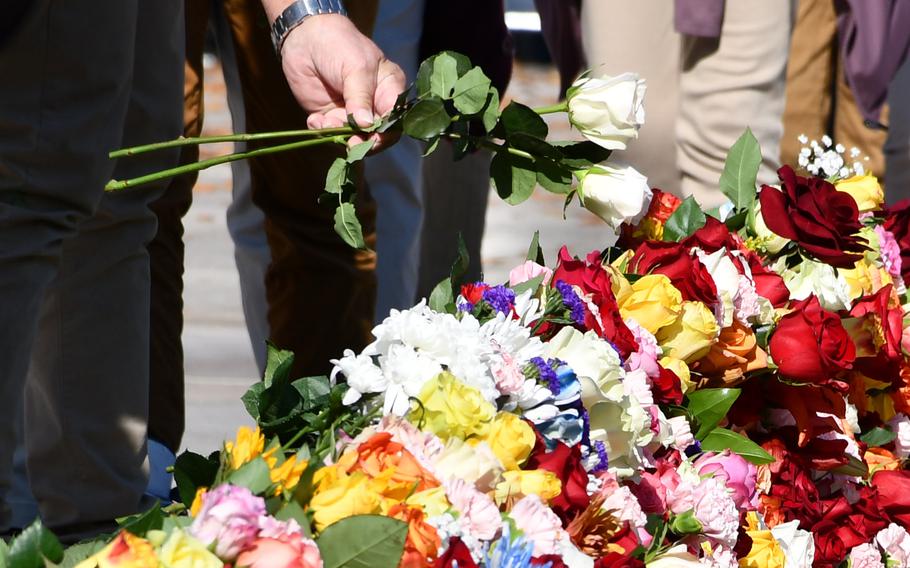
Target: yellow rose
(690, 337)
(449, 408)
(511, 439)
(433, 501)
(865, 190)
(180, 550)
(249, 445)
(339, 495)
(519, 483)
(287, 475)
(858, 278)
(125, 551)
(766, 552)
(197, 501)
(681, 369)
(652, 301)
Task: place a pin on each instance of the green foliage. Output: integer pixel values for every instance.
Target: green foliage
(254, 475)
(192, 471)
(535, 253)
(513, 176)
(34, 547)
(348, 227)
(143, 522)
(737, 181)
(75, 554)
(687, 219)
(442, 298)
(470, 92)
(721, 439)
(709, 406)
(363, 541)
(878, 437)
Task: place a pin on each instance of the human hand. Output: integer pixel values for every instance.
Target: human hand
(334, 70)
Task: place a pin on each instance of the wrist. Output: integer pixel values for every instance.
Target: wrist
(293, 13)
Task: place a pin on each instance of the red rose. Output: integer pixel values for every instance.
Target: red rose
(676, 262)
(554, 561)
(893, 495)
(810, 345)
(713, 236)
(617, 560)
(666, 387)
(456, 555)
(897, 222)
(811, 212)
(885, 364)
(473, 293)
(565, 463)
(768, 284)
(593, 279)
(844, 525)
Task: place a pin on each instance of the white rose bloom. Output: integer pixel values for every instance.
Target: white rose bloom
(772, 241)
(726, 281)
(798, 544)
(594, 361)
(900, 425)
(608, 110)
(616, 193)
(820, 279)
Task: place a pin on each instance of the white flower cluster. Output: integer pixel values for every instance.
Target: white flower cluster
(827, 159)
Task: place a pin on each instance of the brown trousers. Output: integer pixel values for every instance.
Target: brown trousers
(819, 101)
(321, 293)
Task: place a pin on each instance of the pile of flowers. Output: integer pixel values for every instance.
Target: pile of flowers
(716, 388)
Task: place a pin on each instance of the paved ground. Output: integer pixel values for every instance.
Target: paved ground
(219, 361)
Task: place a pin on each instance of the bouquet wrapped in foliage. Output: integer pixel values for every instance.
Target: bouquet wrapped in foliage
(716, 388)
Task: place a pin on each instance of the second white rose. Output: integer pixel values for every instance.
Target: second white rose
(608, 110)
(616, 193)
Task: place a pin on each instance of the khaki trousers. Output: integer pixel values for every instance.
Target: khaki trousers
(81, 78)
(320, 291)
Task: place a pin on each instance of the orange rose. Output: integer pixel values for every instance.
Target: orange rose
(901, 395)
(423, 541)
(733, 354)
(880, 458)
(380, 457)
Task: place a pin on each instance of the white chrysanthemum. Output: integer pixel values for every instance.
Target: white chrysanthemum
(362, 376)
(406, 371)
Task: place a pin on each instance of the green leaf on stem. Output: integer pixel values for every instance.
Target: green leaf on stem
(251, 399)
(292, 510)
(553, 177)
(431, 147)
(442, 299)
(359, 151)
(363, 541)
(192, 471)
(737, 181)
(471, 90)
(140, 524)
(581, 155)
(77, 553)
(687, 219)
(709, 407)
(878, 437)
(254, 475)
(437, 74)
(721, 439)
(348, 227)
(491, 112)
(34, 547)
(517, 118)
(533, 284)
(278, 364)
(337, 177)
(427, 119)
(535, 253)
(513, 176)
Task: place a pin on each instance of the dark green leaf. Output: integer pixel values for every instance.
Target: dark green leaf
(737, 181)
(535, 253)
(431, 147)
(363, 541)
(461, 263)
(359, 152)
(348, 227)
(313, 390)
(854, 467)
(471, 90)
(710, 406)
(491, 113)
(192, 471)
(443, 76)
(553, 177)
(534, 146)
(442, 297)
(721, 439)
(254, 475)
(878, 437)
(142, 523)
(434, 69)
(33, 545)
(532, 284)
(513, 176)
(251, 399)
(304, 490)
(517, 118)
(77, 553)
(426, 119)
(737, 221)
(581, 155)
(337, 177)
(687, 219)
(278, 364)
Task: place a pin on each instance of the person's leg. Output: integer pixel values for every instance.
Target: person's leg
(646, 43)
(60, 113)
(455, 198)
(394, 175)
(809, 107)
(321, 292)
(245, 221)
(86, 403)
(897, 146)
(729, 84)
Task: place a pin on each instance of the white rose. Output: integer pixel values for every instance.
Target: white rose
(900, 425)
(608, 110)
(594, 361)
(616, 193)
(810, 277)
(772, 242)
(798, 544)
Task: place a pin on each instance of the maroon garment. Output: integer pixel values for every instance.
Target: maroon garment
(560, 23)
(475, 28)
(874, 39)
(702, 18)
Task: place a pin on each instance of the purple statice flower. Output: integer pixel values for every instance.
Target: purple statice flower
(572, 301)
(500, 298)
(547, 375)
(694, 449)
(604, 462)
(586, 426)
(465, 306)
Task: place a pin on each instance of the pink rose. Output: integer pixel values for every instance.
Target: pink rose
(736, 473)
(539, 524)
(229, 518)
(866, 556)
(529, 271)
(274, 553)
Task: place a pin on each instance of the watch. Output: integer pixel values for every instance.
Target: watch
(296, 13)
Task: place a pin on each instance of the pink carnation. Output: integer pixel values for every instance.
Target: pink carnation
(866, 556)
(625, 507)
(270, 527)
(529, 271)
(895, 541)
(478, 511)
(736, 473)
(645, 358)
(539, 524)
(229, 518)
(716, 511)
(890, 251)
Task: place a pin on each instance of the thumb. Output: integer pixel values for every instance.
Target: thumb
(358, 90)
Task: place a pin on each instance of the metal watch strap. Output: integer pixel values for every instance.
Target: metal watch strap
(293, 16)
